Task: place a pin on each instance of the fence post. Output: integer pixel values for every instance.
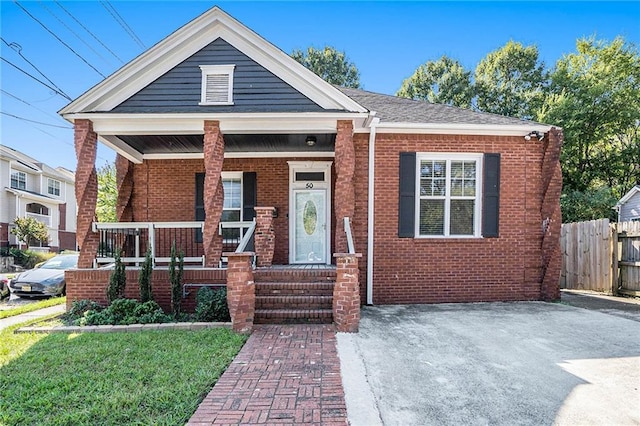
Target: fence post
(614, 259)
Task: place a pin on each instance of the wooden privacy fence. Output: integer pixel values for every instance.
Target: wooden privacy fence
(600, 256)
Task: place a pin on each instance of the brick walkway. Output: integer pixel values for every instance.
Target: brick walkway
(285, 374)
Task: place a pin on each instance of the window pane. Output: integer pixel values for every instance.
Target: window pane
(470, 188)
(429, 168)
(456, 187)
(431, 217)
(456, 169)
(470, 169)
(433, 187)
(230, 216)
(232, 193)
(462, 217)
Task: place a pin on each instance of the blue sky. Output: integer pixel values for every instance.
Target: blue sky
(386, 40)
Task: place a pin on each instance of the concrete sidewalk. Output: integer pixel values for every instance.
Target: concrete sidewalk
(17, 319)
(491, 363)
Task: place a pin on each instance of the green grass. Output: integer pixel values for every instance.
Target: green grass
(30, 307)
(144, 378)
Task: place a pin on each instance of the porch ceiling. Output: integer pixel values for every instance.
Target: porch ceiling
(188, 144)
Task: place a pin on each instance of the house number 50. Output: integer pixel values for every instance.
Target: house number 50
(309, 185)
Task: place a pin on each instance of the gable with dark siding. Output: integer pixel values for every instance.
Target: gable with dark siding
(255, 89)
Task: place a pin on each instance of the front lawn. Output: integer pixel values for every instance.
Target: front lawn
(150, 377)
(33, 306)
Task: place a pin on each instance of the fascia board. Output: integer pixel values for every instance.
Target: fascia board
(461, 129)
(188, 40)
(140, 124)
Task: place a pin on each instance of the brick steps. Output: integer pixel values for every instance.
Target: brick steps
(293, 316)
(294, 302)
(294, 296)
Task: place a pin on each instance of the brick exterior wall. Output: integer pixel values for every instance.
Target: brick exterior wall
(264, 236)
(164, 191)
(92, 284)
(124, 184)
(346, 294)
(408, 270)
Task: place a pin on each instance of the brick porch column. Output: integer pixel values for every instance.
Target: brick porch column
(241, 291)
(213, 191)
(86, 144)
(344, 198)
(551, 216)
(124, 184)
(346, 293)
(265, 238)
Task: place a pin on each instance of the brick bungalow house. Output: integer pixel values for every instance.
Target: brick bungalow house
(221, 137)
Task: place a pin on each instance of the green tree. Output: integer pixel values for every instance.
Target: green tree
(511, 81)
(595, 97)
(28, 230)
(107, 194)
(443, 81)
(117, 280)
(330, 64)
(591, 204)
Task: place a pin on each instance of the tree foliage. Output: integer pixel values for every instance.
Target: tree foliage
(107, 194)
(591, 204)
(28, 230)
(144, 279)
(330, 64)
(595, 97)
(442, 81)
(511, 81)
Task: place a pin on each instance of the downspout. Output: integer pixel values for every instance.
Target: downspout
(370, 215)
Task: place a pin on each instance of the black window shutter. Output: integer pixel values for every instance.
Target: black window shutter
(407, 207)
(249, 195)
(491, 196)
(200, 214)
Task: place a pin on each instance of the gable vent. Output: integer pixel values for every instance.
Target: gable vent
(217, 84)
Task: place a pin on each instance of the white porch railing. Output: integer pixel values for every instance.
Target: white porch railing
(41, 218)
(347, 230)
(133, 239)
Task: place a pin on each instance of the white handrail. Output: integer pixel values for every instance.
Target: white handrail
(247, 237)
(347, 230)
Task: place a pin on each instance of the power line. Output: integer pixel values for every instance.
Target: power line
(33, 121)
(59, 39)
(18, 49)
(38, 80)
(90, 33)
(72, 31)
(114, 13)
(28, 103)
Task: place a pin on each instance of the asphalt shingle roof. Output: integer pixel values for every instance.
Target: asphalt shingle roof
(401, 110)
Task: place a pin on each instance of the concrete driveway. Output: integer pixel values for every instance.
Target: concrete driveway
(491, 363)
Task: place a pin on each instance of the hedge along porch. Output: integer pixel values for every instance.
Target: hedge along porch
(214, 124)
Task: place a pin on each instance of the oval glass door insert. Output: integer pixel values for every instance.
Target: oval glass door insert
(310, 217)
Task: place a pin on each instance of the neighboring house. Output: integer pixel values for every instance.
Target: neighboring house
(215, 123)
(34, 189)
(628, 207)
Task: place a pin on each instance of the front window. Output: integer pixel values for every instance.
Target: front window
(19, 180)
(232, 207)
(53, 187)
(448, 195)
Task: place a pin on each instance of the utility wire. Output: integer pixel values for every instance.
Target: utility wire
(114, 13)
(30, 104)
(64, 95)
(18, 49)
(59, 39)
(72, 31)
(89, 31)
(33, 121)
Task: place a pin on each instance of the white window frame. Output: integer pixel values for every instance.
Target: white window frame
(477, 213)
(51, 181)
(236, 176)
(208, 70)
(19, 173)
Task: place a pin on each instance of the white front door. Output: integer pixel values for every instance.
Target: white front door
(310, 226)
(310, 212)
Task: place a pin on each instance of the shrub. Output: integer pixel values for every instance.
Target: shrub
(144, 279)
(175, 277)
(78, 310)
(29, 259)
(117, 281)
(211, 305)
(125, 312)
